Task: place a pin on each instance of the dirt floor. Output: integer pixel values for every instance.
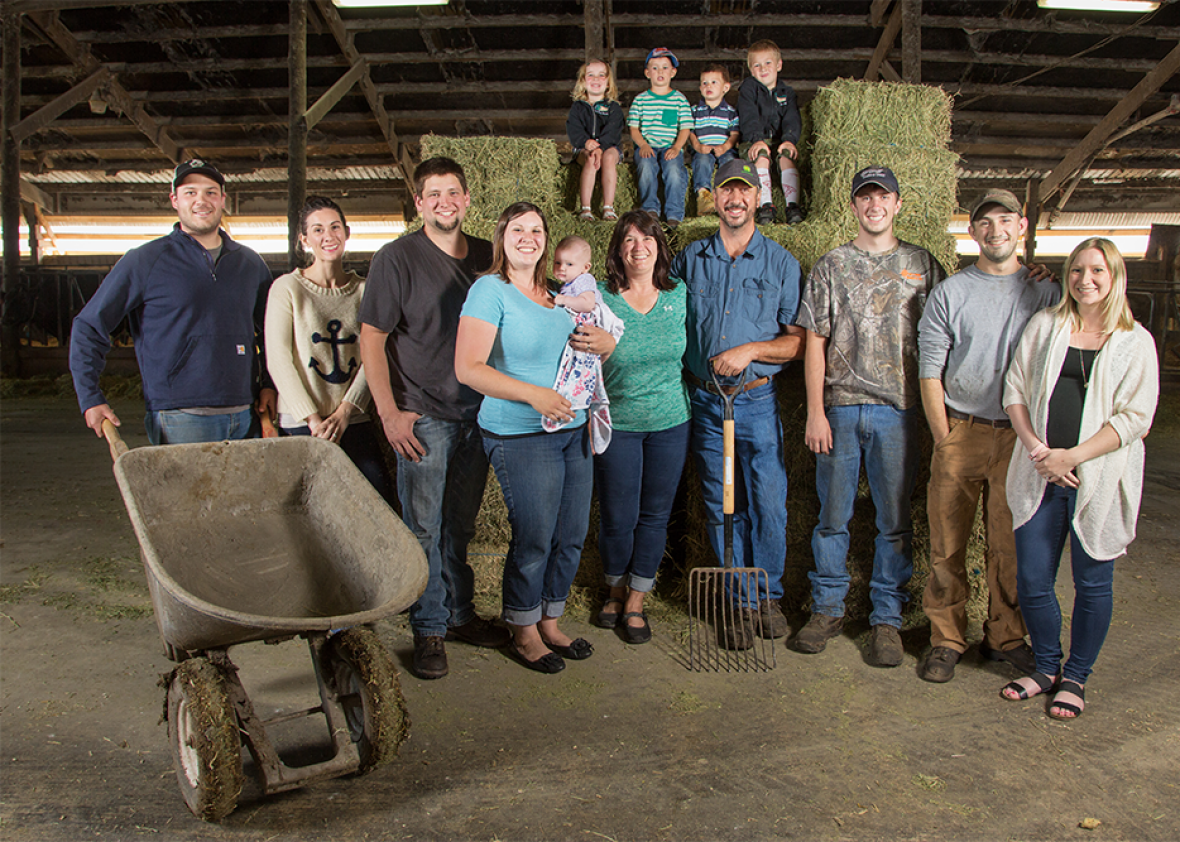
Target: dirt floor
(628, 745)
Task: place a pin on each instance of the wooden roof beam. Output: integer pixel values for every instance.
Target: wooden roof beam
(46, 114)
(1118, 115)
(50, 24)
(885, 44)
(344, 40)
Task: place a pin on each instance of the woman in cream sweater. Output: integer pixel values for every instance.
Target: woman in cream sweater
(1081, 393)
(312, 349)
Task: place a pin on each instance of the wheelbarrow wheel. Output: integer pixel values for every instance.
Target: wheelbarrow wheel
(203, 733)
(367, 687)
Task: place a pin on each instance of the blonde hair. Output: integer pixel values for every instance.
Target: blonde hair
(764, 46)
(1116, 314)
(612, 88)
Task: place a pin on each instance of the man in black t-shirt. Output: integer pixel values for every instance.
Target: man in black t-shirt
(409, 318)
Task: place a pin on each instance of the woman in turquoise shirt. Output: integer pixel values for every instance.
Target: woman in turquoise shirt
(511, 337)
(637, 476)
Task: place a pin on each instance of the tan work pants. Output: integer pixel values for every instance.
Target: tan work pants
(972, 458)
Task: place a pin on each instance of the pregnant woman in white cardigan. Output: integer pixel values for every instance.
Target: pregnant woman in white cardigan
(1081, 393)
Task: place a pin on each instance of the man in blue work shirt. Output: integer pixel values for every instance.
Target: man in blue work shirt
(743, 294)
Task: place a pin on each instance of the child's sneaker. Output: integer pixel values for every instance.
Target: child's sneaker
(765, 215)
(705, 204)
(794, 214)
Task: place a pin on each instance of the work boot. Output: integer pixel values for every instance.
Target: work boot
(705, 204)
(736, 630)
(814, 636)
(886, 650)
(1020, 656)
(430, 656)
(480, 632)
(774, 624)
(765, 215)
(939, 665)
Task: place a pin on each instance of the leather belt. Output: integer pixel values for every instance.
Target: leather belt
(1001, 424)
(693, 380)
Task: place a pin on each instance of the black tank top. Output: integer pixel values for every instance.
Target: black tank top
(1065, 406)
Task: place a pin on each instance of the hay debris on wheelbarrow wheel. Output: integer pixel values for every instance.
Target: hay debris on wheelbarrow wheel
(366, 683)
(203, 734)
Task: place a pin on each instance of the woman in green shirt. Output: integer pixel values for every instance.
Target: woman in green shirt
(638, 474)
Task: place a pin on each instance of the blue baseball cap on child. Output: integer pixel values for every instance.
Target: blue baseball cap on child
(662, 52)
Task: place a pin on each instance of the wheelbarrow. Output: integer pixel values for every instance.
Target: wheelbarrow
(266, 540)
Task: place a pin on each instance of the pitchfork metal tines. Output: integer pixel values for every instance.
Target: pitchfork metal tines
(726, 632)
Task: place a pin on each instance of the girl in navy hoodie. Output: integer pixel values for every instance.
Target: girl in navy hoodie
(595, 128)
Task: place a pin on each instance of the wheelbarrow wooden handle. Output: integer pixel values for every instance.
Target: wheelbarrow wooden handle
(114, 440)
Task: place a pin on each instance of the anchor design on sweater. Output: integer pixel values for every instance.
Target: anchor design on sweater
(337, 374)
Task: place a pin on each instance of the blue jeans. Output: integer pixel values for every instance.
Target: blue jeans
(887, 438)
(440, 497)
(703, 165)
(547, 481)
(172, 426)
(637, 477)
(675, 177)
(359, 443)
(760, 479)
(1038, 553)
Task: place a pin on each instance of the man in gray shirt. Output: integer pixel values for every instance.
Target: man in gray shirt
(966, 338)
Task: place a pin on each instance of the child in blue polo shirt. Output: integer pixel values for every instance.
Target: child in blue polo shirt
(714, 133)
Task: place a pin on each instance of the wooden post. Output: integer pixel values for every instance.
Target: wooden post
(10, 189)
(1032, 210)
(297, 126)
(911, 41)
(34, 246)
(593, 26)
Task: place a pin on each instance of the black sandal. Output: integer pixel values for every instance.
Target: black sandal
(635, 634)
(1072, 687)
(1044, 683)
(608, 619)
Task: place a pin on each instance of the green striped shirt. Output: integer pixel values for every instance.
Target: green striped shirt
(660, 117)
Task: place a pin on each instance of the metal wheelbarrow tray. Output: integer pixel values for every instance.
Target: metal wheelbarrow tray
(265, 540)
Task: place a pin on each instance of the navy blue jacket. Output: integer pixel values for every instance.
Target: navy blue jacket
(197, 326)
(769, 116)
(601, 121)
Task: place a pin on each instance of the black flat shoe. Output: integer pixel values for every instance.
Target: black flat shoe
(635, 634)
(608, 619)
(548, 664)
(578, 650)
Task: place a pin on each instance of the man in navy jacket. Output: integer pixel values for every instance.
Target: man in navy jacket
(195, 301)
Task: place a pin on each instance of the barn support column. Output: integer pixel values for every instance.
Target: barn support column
(297, 126)
(10, 191)
(593, 26)
(1032, 210)
(911, 41)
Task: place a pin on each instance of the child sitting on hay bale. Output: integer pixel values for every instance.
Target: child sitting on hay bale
(660, 120)
(769, 115)
(595, 128)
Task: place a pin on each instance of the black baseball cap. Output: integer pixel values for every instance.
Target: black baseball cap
(195, 165)
(883, 177)
(735, 170)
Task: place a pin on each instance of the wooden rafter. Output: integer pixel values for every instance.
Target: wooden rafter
(79, 54)
(344, 40)
(1118, 115)
(884, 44)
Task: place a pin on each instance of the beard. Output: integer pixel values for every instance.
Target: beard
(999, 252)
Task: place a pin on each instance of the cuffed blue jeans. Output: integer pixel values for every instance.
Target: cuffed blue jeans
(703, 165)
(360, 444)
(887, 439)
(637, 477)
(547, 480)
(1039, 543)
(760, 479)
(175, 426)
(440, 497)
(675, 177)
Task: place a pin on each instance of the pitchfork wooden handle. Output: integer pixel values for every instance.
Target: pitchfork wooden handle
(114, 440)
(728, 452)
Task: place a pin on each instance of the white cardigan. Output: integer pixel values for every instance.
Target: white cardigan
(1123, 391)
